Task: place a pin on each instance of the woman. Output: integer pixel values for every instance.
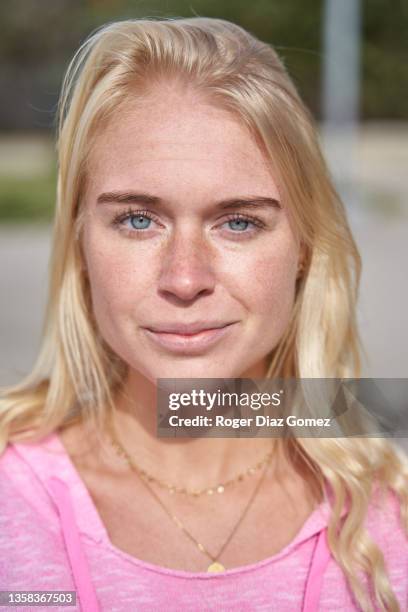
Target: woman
(197, 234)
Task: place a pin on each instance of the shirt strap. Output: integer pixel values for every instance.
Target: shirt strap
(320, 559)
(79, 565)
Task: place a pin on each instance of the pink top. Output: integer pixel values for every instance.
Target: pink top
(52, 538)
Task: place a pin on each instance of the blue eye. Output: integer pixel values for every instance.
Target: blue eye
(241, 223)
(244, 224)
(139, 222)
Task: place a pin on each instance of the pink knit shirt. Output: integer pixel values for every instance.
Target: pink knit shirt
(52, 538)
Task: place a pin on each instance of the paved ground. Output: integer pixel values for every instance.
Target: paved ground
(23, 279)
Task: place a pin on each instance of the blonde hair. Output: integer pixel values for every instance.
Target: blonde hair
(76, 373)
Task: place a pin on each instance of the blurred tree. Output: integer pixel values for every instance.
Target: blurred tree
(38, 38)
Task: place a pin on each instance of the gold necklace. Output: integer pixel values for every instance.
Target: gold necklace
(215, 565)
(219, 488)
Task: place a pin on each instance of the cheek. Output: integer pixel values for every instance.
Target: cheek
(268, 278)
(274, 284)
(272, 298)
(118, 282)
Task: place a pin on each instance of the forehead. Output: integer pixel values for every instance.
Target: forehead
(178, 134)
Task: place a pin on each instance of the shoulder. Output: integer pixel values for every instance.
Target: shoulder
(24, 498)
(18, 483)
(32, 552)
(385, 518)
(386, 526)
(13, 472)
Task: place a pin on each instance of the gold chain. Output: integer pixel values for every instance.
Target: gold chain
(215, 566)
(219, 488)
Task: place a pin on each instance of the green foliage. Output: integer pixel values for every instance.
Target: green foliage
(26, 200)
(38, 38)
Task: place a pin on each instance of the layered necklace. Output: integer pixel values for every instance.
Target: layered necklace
(147, 479)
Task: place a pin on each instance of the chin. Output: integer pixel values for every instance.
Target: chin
(188, 369)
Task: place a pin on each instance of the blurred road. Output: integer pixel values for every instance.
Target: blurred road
(24, 253)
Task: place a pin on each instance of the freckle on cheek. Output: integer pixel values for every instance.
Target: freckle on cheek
(271, 272)
(274, 280)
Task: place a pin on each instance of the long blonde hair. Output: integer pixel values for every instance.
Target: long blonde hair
(76, 373)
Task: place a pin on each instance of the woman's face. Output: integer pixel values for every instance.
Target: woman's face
(184, 226)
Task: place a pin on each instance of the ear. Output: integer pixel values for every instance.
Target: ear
(302, 259)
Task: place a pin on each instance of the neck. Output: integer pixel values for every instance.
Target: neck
(189, 462)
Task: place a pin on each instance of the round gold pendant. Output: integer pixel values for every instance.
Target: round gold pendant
(216, 567)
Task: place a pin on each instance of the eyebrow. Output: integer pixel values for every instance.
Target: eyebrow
(130, 197)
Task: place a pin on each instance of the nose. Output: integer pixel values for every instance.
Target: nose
(187, 269)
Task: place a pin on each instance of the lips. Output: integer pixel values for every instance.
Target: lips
(188, 339)
(187, 328)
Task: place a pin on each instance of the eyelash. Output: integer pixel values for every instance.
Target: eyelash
(120, 219)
